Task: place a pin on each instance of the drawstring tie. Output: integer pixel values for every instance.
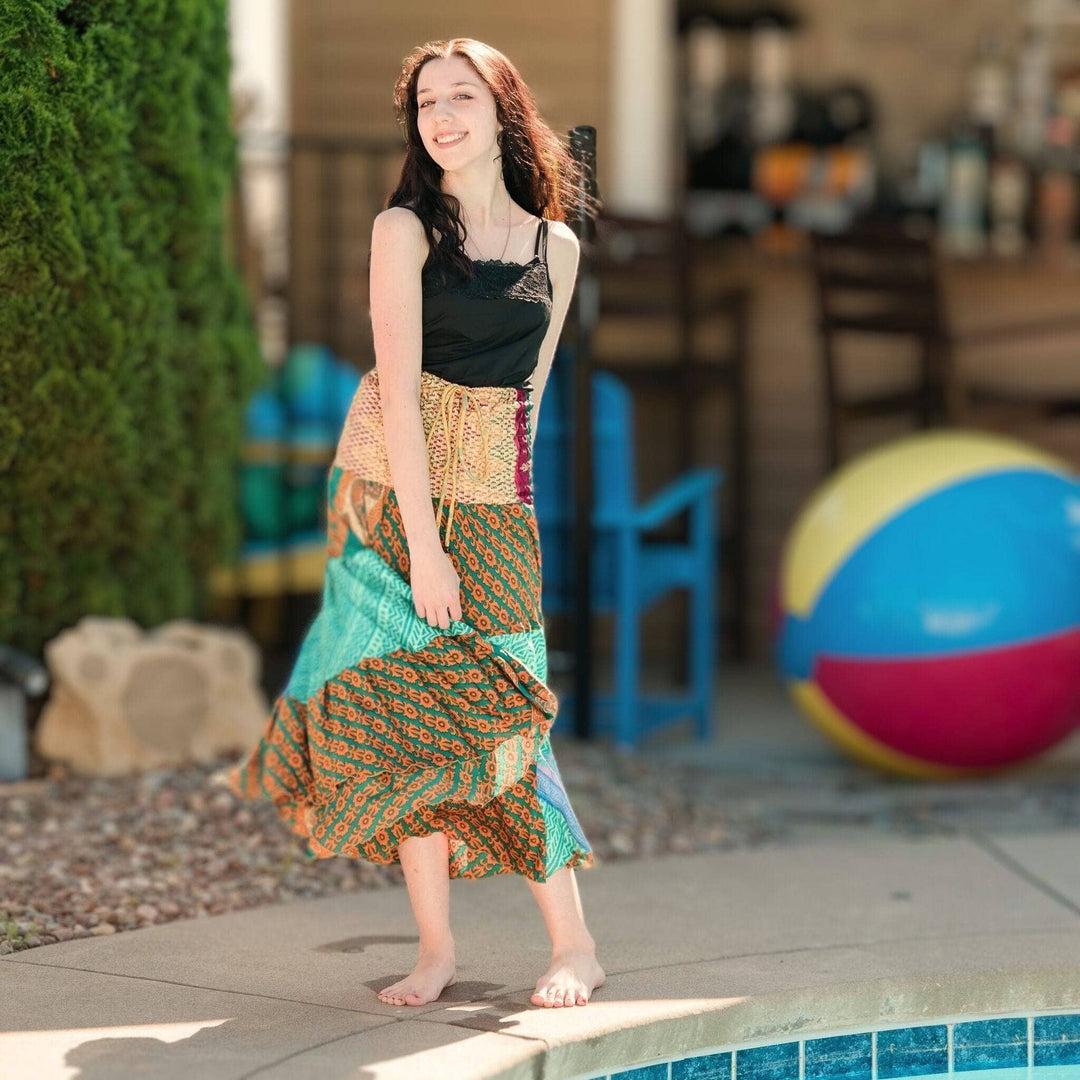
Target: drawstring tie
(455, 445)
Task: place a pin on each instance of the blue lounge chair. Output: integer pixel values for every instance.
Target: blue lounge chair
(629, 572)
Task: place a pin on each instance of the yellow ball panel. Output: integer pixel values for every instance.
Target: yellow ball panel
(861, 495)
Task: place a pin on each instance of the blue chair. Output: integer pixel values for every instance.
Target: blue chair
(628, 572)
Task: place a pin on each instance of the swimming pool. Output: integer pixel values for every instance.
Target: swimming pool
(1043, 1046)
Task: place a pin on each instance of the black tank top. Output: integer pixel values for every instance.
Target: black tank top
(488, 331)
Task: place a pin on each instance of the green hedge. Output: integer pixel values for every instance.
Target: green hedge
(127, 348)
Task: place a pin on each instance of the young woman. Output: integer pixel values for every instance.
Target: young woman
(415, 724)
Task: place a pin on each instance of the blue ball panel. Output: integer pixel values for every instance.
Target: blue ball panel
(987, 562)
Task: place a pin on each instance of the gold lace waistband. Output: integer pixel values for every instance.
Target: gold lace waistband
(455, 441)
(477, 444)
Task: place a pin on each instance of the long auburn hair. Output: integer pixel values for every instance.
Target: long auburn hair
(537, 167)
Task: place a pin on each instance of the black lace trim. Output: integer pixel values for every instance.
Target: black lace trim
(494, 279)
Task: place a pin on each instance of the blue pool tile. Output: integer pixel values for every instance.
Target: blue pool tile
(777, 1062)
(912, 1051)
(646, 1072)
(998, 1043)
(839, 1057)
(705, 1067)
(1057, 1040)
(990, 1044)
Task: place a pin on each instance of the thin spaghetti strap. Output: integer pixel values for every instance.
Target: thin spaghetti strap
(541, 235)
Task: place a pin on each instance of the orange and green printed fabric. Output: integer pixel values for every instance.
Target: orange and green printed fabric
(390, 727)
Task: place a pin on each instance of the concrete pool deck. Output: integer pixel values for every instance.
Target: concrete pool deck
(849, 932)
(701, 951)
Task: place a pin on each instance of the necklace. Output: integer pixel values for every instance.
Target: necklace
(507, 240)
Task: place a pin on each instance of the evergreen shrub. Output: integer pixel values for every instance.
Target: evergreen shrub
(127, 347)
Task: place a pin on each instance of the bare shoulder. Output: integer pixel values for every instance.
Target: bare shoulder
(402, 231)
(563, 239)
(564, 251)
(401, 219)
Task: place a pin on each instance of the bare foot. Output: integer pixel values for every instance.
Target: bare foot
(427, 981)
(570, 980)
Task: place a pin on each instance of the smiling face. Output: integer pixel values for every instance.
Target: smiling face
(455, 113)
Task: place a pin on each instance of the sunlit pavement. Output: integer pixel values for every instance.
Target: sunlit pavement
(846, 927)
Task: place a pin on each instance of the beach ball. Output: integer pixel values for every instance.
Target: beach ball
(927, 604)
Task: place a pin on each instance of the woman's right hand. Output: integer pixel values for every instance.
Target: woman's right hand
(436, 586)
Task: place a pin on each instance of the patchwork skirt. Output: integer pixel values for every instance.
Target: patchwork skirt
(389, 727)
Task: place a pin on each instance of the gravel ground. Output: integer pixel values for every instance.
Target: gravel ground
(82, 857)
